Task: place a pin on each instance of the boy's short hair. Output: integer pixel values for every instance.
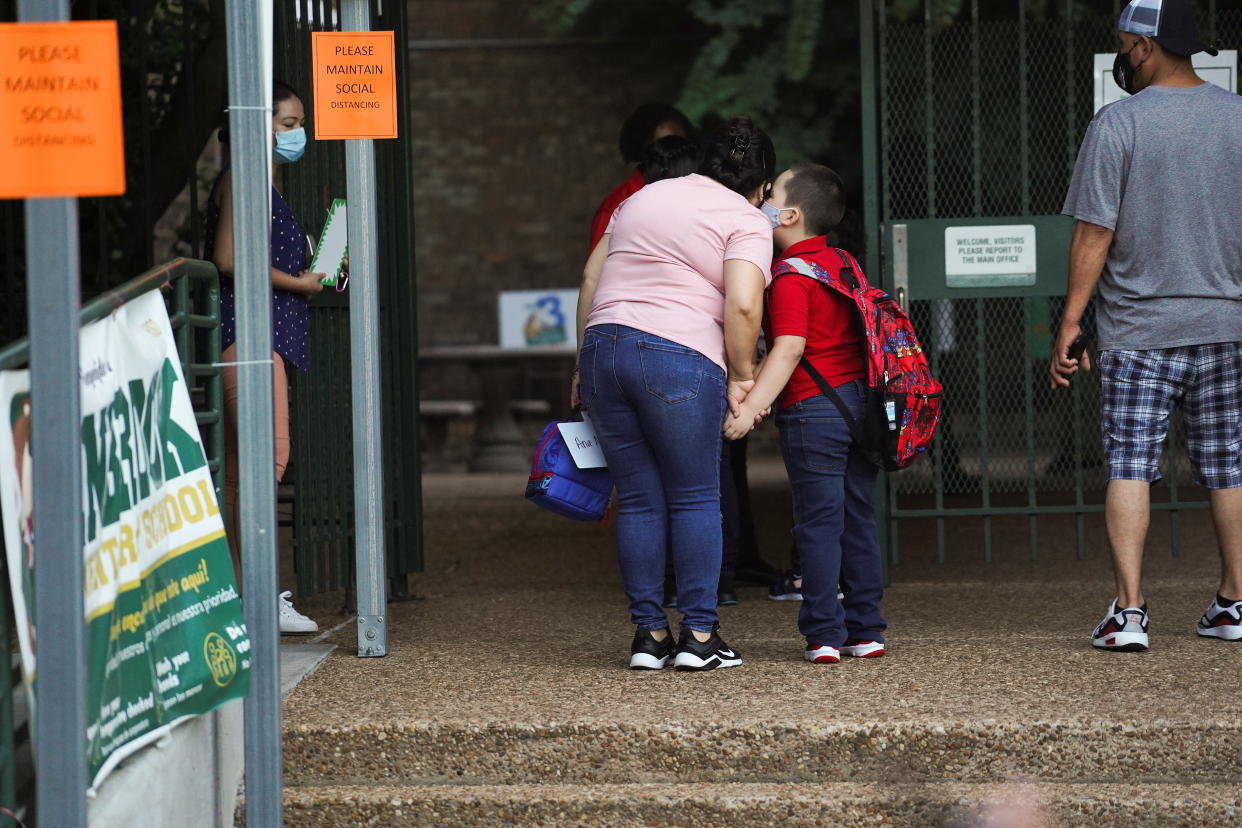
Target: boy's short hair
(819, 193)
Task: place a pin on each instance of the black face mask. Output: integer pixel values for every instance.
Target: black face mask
(1123, 72)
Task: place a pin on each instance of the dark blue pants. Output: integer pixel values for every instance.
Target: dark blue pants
(834, 520)
(658, 408)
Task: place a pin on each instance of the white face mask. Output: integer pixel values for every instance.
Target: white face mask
(773, 213)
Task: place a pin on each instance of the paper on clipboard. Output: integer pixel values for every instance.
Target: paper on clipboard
(329, 257)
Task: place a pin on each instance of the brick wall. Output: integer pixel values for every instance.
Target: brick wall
(514, 147)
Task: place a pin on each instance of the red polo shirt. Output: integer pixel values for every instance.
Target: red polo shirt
(604, 214)
(799, 306)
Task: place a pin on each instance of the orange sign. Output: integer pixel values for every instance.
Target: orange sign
(355, 85)
(60, 110)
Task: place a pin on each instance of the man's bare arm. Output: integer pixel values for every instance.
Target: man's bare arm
(1088, 252)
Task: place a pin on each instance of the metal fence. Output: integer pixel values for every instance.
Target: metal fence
(979, 113)
(321, 468)
(193, 301)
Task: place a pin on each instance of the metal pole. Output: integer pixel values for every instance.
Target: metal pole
(250, 125)
(365, 379)
(54, 297)
(871, 219)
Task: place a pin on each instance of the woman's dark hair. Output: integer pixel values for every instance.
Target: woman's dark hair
(670, 157)
(740, 156)
(638, 131)
(281, 92)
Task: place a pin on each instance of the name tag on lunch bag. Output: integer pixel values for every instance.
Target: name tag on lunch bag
(583, 445)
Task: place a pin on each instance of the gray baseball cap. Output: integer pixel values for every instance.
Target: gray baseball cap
(1171, 23)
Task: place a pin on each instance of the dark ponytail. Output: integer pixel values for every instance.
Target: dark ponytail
(671, 157)
(740, 156)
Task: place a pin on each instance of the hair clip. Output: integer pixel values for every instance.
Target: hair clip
(741, 143)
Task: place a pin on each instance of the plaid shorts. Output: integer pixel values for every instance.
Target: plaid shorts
(1138, 391)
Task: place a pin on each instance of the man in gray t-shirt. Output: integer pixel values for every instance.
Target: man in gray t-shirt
(1157, 194)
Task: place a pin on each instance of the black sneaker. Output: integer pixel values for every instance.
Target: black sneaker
(693, 654)
(648, 654)
(788, 588)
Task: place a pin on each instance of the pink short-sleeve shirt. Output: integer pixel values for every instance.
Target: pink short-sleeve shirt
(665, 268)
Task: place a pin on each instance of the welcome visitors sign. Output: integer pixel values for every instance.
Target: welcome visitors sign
(165, 635)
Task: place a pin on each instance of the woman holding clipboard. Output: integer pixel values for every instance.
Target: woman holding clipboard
(292, 286)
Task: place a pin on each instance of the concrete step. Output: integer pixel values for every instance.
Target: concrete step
(603, 752)
(790, 804)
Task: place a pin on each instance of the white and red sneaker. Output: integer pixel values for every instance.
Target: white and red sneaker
(859, 648)
(1122, 629)
(1222, 620)
(821, 654)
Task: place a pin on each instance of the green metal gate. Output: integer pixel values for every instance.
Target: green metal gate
(322, 461)
(975, 113)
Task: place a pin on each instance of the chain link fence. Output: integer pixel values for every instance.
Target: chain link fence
(983, 116)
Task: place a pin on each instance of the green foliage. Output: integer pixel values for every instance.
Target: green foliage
(792, 65)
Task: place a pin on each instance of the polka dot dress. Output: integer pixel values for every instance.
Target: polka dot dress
(290, 311)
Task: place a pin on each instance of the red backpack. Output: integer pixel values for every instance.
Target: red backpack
(903, 399)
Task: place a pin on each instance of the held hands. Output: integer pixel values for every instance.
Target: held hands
(1060, 366)
(737, 391)
(742, 417)
(737, 426)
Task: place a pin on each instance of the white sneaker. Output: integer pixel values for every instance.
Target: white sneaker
(821, 654)
(1124, 628)
(860, 648)
(1222, 621)
(292, 621)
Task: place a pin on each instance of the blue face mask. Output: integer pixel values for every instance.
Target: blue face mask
(773, 213)
(289, 146)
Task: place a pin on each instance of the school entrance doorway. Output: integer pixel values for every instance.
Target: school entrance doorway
(972, 120)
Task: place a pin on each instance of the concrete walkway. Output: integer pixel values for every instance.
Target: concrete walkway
(505, 699)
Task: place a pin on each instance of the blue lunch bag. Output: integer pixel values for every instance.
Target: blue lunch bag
(558, 485)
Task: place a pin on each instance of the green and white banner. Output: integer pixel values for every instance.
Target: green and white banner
(165, 634)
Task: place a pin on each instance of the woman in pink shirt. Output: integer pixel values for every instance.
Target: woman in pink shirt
(671, 303)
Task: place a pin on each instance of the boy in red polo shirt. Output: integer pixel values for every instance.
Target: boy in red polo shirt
(833, 483)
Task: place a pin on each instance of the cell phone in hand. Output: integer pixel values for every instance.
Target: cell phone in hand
(1079, 345)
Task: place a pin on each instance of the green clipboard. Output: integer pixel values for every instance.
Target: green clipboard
(329, 255)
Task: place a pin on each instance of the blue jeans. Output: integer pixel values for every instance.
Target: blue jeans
(834, 520)
(658, 408)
